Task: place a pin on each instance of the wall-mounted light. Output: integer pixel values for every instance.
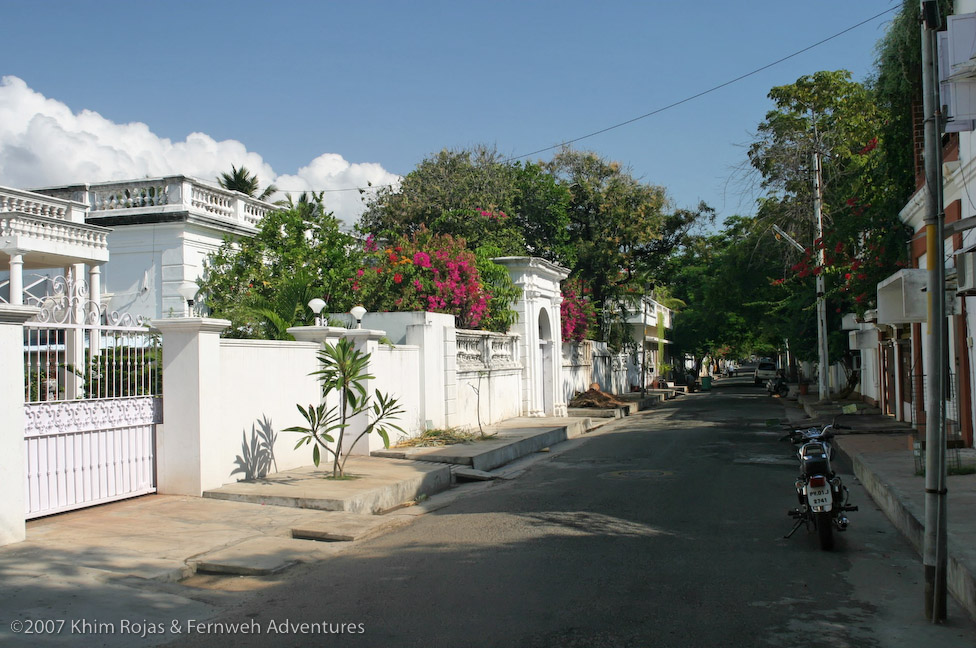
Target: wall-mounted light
(317, 305)
(358, 312)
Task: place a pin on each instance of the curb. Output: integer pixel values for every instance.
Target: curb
(961, 582)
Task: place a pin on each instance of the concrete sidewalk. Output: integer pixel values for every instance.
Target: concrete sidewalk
(264, 525)
(881, 453)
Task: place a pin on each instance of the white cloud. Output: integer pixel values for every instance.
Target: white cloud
(43, 143)
(329, 171)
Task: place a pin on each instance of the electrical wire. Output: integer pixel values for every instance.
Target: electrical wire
(653, 112)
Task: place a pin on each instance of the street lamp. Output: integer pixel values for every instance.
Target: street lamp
(188, 291)
(358, 312)
(317, 305)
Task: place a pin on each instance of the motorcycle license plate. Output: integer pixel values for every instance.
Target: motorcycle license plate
(819, 498)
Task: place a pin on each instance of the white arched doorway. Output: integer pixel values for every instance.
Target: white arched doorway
(546, 390)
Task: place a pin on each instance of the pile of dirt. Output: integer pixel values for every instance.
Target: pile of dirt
(597, 399)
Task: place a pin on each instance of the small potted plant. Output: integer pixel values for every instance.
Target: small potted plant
(803, 386)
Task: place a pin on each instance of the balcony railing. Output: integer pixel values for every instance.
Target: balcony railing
(16, 201)
(168, 194)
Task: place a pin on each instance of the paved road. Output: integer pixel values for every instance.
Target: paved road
(665, 529)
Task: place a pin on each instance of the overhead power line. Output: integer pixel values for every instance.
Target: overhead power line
(656, 111)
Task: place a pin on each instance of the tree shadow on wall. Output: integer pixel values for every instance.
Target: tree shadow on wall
(257, 453)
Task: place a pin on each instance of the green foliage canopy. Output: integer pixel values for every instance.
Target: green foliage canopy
(263, 283)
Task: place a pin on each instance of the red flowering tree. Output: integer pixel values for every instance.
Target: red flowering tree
(576, 313)
(828, 117)
(425, 272)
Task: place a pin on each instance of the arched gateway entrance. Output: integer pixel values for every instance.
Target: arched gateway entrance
(539, 328)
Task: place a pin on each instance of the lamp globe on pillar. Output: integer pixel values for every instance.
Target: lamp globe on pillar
(317, 305)
(358, 312)
(188, 291)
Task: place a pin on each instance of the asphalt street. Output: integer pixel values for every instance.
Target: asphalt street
(663, 529)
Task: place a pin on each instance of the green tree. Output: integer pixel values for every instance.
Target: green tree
(623, 230)
(474, 194)
(723, 282)
(262, 283)
(245, 182)
(897, 86)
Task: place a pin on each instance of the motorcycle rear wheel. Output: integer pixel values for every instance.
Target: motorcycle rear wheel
(825, 530)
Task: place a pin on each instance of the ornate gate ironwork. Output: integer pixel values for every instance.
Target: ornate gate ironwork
(92, 402)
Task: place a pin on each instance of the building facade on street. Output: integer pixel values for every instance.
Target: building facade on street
(893, 340)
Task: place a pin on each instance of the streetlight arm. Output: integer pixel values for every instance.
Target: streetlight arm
(789, 239)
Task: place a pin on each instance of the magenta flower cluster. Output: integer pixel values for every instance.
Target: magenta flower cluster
(577, 315)
(429, 272)
(492, 215)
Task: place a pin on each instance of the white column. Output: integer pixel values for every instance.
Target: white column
(95, 285)
(75, 371)
(16, 277)
(898, 406)
(13, 504)
(533, 357)
(560, 407)
(186, 464)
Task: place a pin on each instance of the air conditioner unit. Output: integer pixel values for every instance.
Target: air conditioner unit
(966, 273)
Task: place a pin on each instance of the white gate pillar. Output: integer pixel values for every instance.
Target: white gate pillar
(540, 333)
(12, 478)
(191, 406)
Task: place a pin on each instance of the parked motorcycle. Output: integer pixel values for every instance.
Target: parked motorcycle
(777, 386)
(822, 496)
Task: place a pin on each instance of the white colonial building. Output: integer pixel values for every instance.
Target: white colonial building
(160, 231)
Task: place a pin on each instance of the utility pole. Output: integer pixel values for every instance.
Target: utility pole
(644, 343)
(822, 357)
(821, 304)
(934, 546)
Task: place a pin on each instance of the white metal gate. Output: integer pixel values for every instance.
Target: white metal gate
(92, 401)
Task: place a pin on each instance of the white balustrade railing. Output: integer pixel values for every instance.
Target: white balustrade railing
(129, 195)
(169, 194)
(578, 354)
(254, 212)
(56, 231)
(483, 350)
(177, 193)
(212, 201)
(15, 201)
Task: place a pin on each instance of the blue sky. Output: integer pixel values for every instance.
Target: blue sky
(328, 95)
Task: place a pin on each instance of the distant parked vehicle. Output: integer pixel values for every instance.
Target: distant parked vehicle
(764, 372)
(742, 369)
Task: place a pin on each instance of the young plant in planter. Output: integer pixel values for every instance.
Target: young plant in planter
(344, 371)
